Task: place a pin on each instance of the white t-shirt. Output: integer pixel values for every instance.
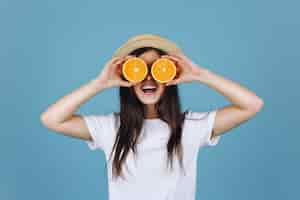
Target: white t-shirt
(146, 174)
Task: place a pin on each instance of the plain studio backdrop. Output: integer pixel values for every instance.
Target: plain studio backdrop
(50, 48)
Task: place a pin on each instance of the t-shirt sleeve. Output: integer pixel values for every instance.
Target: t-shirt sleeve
(205, 123)
(100, 129)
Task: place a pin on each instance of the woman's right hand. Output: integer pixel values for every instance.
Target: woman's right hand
(111, 75)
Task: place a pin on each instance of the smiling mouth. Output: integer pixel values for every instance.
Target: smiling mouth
(149, 90)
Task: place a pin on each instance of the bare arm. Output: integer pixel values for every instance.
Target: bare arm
(244, 103)
(61, 116)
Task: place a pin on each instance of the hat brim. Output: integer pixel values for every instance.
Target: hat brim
(146, 40)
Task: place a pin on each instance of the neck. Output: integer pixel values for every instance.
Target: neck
(150, 111)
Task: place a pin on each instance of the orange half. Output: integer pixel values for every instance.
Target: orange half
(134, 69)
(163, 70)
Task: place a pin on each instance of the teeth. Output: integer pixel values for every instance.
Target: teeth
(149, 87)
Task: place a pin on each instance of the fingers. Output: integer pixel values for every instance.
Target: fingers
(171, 57)
(116, 61)
(126, 83)
(178, 54)
(130, 56)
(123, 59)
(175, 59)
(172, 82)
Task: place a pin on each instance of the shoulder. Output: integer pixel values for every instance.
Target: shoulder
(100, 120)
(190, 114)
(198, 115)
(202, 118)
(101, 117)
(101, 130)
(199, 124)
(110, 118)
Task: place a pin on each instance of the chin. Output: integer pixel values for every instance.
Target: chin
(149, 97)
(148, 101)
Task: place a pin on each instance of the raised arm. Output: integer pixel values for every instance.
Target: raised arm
(244, 103)
(60, 116)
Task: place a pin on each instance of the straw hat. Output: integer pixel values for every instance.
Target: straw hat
(146, 40)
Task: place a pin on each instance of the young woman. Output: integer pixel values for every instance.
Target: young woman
(150, 146)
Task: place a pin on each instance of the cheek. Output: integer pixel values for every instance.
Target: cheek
(136, 89)
(162, 89)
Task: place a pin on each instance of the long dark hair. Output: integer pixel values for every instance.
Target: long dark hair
(132, 114)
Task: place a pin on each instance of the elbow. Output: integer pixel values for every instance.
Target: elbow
(46, 121)
(258, 105)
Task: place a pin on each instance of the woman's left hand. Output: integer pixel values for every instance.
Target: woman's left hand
(187, 70)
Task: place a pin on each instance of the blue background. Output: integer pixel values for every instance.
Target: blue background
(50, 48)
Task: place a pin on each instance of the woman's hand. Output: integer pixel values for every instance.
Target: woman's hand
(111, 75)
(187, 70)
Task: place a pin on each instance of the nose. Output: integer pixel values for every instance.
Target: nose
(149, 76)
